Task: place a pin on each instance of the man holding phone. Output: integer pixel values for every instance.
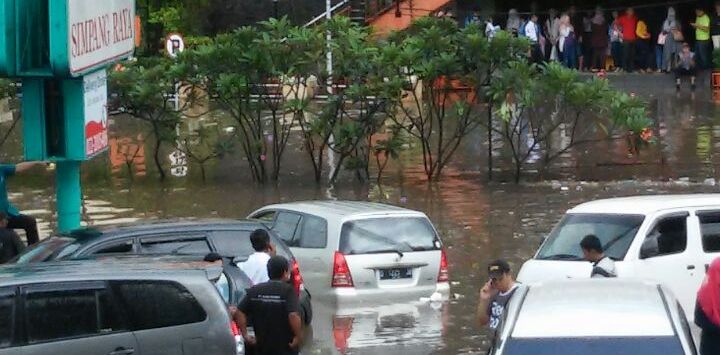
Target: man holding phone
(495, 294)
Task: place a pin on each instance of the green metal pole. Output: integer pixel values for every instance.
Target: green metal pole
(67, 178)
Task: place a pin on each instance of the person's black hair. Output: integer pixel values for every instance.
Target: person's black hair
(591, 242)
(260, 240)
(277, 266)
(212, 257)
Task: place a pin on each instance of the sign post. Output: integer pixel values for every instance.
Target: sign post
(61, 49)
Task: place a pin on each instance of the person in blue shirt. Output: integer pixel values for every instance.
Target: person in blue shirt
(15, 219)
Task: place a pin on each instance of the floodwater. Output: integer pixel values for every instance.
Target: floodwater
(478, 221)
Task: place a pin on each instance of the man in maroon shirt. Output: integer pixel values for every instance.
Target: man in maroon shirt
(628, 25)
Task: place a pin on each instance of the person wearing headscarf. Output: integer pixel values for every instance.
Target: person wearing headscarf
(552, 33)
(568, 42)
(599, 40)
(707, 311)
(671, 48)
(513, 22)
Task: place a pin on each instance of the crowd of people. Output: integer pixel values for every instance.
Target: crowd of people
(624, 41)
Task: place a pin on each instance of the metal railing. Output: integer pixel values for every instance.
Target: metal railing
(337, 7)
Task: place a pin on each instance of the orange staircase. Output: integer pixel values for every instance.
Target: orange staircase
(388, 20)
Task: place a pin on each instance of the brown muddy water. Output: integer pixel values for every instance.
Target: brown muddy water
(478, 221)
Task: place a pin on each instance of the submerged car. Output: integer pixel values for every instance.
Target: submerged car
(670, 239)
(230, 239)
(356, 253)
(63, 308)
(594, 317)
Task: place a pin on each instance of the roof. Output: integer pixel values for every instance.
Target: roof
(341, 209)
(158, 226)
(592, 308)
(75, 270)
(647, 204)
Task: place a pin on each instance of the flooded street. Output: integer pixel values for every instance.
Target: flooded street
(478, 221)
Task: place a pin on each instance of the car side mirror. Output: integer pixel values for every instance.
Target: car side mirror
(649, 247)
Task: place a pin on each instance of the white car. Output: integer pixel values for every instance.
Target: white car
(670, 239)
(594, 317)
(359, 253)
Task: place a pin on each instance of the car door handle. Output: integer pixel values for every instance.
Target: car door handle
(122, 351)
(691, 267)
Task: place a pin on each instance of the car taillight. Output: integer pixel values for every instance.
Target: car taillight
(444, 274)
(297, 277)
(234, 328)
(239, 341)
(341, 272)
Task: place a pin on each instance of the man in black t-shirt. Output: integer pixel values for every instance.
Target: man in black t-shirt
(273, 308)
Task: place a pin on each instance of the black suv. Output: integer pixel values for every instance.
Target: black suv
(229, 238)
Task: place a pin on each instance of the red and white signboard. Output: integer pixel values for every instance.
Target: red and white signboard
(99, 32)
(96, 123)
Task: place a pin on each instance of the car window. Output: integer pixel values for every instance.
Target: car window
(710, 228)
(313, 232)
(223, 286)
(179, 245)
(46, 250)
(119, 247)
(268, 216)
(388, 234)
(157, 304)
(285, 225)
(615, 231)
(232, 243)
(7, 317)
(669, 236)
(61, 314)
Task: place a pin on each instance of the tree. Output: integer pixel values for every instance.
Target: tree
(547, 112)
(205, 144)
(260, 77)
(438, 115)
(142, 89)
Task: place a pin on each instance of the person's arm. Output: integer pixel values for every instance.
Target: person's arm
(486, 294)
(27, 165)
(702, 321)
(294, 319)
(240, 317)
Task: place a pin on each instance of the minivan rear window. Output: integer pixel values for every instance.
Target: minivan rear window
(388, 234)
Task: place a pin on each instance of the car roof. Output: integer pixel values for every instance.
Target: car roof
(143, 267)
(342, 209)
(88, 234)
(647, 204)
(593, 308)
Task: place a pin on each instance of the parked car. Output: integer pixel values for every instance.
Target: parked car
(593, 317)
(670, 239)
(357, 252)
(96, 308)
(230, 239)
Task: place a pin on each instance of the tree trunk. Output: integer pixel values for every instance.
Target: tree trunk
(490, 142)
(156, 152)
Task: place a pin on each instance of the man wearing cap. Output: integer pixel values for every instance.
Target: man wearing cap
(495, 294)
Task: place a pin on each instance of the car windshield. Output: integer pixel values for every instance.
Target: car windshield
(615, 231)
(390, 234)
(649, 345)
(49, 249)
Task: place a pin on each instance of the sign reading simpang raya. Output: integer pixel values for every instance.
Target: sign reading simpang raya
(100, 32)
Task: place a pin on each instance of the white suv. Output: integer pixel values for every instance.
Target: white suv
(351, 253)
(670, 239)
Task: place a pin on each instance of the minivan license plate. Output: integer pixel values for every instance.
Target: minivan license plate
(395, 274)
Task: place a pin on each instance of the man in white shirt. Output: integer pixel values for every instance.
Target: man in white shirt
(603, 266)
(255, 267)
(532, 32)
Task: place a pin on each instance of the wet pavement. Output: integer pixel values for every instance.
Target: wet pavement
(478, 221)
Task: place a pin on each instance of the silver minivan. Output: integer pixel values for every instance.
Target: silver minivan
(95, 308)
(355, 253)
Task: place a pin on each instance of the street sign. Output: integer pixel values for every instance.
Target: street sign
(178, 163)
(98, 33)
(174, 45)
(96, 125)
